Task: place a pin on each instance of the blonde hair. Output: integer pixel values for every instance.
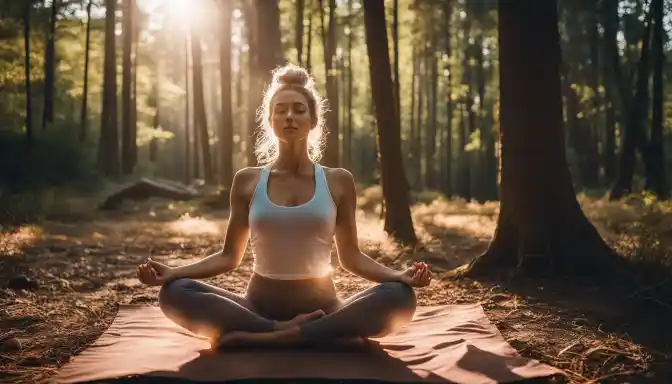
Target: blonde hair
(289, 76)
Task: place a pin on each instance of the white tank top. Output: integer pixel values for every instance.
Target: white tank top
(292, 242)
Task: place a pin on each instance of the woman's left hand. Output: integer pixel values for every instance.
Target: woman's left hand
(417, 276)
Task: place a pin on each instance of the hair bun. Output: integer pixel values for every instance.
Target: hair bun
(291, 74)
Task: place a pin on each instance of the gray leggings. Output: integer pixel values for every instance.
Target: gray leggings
(212, 311)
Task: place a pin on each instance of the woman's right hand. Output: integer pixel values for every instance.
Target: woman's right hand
(154, 273)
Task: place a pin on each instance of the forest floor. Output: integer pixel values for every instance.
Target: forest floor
(84, 266)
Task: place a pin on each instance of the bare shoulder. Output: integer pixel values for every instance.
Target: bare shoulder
(244, 181)
(341, 183)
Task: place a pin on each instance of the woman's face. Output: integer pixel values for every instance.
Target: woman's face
(290, 116)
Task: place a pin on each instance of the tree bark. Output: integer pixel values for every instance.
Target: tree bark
(108, 145)
(395, 43)
(331, 155)
(83, 127)
(635, 134)
(26, 41)
(49, 69)
(187, 118)
(448, 141)
(200, 115)
(126, 93)
(541, 227)
(398, 222)
(226, 127)
(298, 33)
(430, 139)
(655, 181)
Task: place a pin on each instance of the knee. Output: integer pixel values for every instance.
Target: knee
(173, 291)
(400, 294)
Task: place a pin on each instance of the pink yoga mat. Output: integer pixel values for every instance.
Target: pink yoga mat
(446, 344)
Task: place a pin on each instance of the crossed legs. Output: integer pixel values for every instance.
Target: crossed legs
(231, 319)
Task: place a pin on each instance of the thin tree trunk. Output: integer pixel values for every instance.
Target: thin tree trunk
(347, 131)
(419, 123)
(541, 227)
(109, 156)
(448, 142)
(26, 41)
(299, 31)
(200, 115)
(655, 180)
(226, 126)
(187, 119)
(134, 93)
(126, 93)
(635, 134)
(430, 142)
(408, 148)
(331, 156)
(309, 43)
(395, 43)
(398, 220)
(83, 128)
(49, 69)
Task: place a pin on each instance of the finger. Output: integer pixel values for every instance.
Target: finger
(137, 273)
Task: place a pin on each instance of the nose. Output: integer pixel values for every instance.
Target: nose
(290, 115)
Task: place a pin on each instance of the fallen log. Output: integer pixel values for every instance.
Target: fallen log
(145, 188)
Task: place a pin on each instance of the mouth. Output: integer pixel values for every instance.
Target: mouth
(292, 129)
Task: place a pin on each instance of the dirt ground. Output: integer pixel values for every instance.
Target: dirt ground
(84, 267)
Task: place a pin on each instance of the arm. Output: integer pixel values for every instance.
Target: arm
(350, 256)
(235, 240)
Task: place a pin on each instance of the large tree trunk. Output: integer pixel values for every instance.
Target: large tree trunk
(49, 68)
(655, 180)
(226, 127)
(108, 145)
(83, 119)
(126, 79)
(26, 41)
(331, 155)
(541, 226)
(635, 134)
(265, 54)
(398, 220)
(200, 115)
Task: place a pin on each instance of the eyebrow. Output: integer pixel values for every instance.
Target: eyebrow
(294, 102)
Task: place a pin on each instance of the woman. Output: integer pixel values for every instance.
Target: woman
(290, 210)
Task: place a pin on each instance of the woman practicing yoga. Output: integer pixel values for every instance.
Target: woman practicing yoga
(290, 209)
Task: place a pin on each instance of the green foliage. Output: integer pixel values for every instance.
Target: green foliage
(55, 158)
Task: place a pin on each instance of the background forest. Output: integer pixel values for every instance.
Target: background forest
(96, 95)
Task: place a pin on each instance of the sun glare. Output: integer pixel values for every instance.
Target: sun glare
(182, 12)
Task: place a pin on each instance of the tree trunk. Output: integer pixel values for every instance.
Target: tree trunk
(26, 41)
(298, 36)
(448, 142)
(655, 181)
(331, 155)
(126, 129)
(200, 115)
(430, 139)
(187, 118)
(309, 43)
(541, 227)
(395, 43)
(635, 135)
(134, 92)
(108, 145)
(226, 127)
(611, 66)
(398, 220)
(595, 126)
(409, 144)
(83, 127)
(416, 141)
(49, 69)
(347, 129)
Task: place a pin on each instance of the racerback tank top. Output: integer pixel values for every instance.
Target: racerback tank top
(292, 242)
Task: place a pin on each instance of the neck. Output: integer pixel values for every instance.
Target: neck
(293, 157)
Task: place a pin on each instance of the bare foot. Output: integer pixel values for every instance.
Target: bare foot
(299, 319)
(279, 337)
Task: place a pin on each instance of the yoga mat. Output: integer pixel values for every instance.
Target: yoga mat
(443, 344)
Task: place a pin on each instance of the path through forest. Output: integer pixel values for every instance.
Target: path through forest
(85, 266)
